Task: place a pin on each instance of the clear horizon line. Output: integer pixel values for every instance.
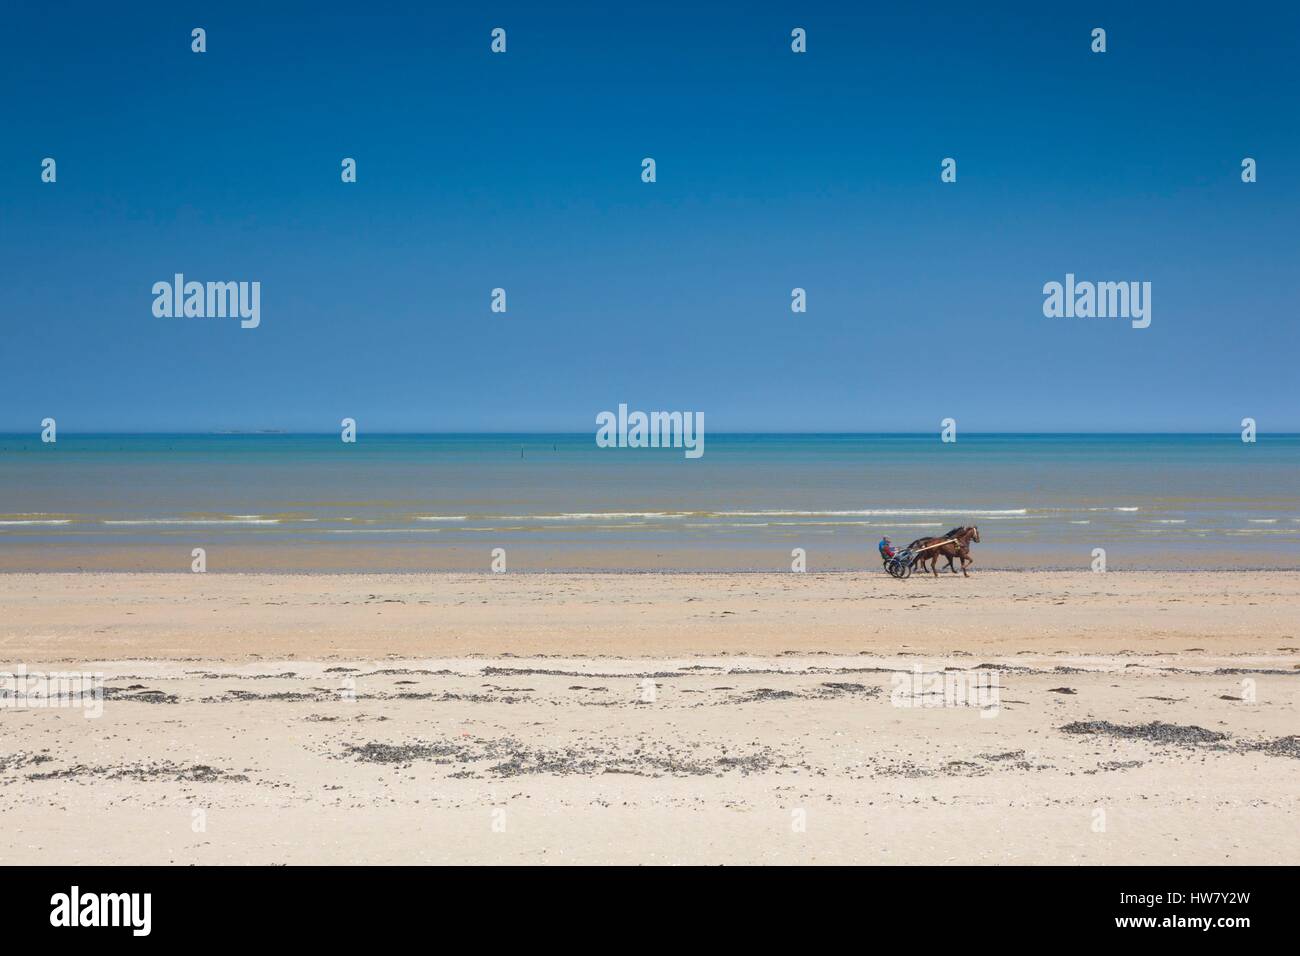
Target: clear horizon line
(269, 432)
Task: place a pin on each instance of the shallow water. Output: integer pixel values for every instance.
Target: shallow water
(445, 501)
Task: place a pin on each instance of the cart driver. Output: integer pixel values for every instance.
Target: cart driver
(887, 550)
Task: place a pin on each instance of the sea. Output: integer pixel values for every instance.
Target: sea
(533, 502)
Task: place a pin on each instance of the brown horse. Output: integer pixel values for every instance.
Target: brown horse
(924, 556)
(956, 544)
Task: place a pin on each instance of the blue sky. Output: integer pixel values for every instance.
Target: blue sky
(775, 170)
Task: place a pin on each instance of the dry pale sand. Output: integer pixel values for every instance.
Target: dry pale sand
(1139, 718)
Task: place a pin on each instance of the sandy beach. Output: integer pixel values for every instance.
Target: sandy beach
(656, 718)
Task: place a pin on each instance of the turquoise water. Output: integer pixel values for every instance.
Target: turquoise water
(444, 501)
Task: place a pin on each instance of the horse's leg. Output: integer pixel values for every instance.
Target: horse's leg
(966, 561)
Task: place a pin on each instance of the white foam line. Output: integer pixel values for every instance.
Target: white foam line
(877, 513)
(190, 521)
(381, 531)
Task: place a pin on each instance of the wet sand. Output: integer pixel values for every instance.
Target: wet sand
(656, 719)
(246, 616)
